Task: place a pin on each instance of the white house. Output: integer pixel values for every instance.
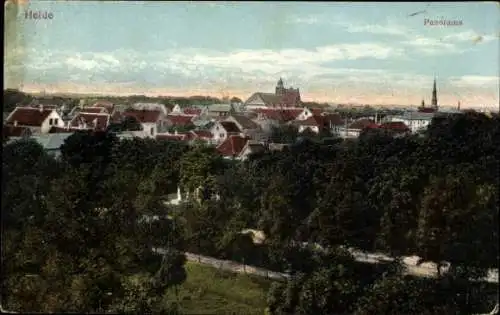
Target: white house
(37, 119)
(416, 121)
(307, 113)
(152, 121)
(354, 129)
(221, 130)
(177, 110)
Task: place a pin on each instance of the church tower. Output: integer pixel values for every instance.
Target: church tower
(280, 89)
(434, 101)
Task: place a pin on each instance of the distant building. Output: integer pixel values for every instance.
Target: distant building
(434, 102)
(37, 119)
(416, 121)
(282, 97)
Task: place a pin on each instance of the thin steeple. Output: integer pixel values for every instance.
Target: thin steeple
(434, 101)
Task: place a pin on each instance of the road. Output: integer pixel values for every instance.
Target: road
(232, 266)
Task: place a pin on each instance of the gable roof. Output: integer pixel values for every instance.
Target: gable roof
(363, 123)
(94, 110)
(230, 126)
(176, 137)
(395, 126)
(109, 106)
(232, 146)
(312, 121)
(180, 120)
(95, 121)
(29, 116)
(278, 114)
(269, 99)
(143, 115)
(192, 111)
(245, 122)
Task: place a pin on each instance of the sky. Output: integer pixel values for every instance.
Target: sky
(365, 53)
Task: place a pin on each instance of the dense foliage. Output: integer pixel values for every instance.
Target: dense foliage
(77, 224)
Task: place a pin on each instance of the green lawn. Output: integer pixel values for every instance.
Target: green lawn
(210, 291)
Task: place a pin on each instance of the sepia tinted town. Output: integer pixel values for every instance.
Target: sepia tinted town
(250, 158)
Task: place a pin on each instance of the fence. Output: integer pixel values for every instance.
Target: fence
(235, 267)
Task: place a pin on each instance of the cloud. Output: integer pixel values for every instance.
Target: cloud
(475, 81)
(432, 46)
(242, 70)
(469, 36)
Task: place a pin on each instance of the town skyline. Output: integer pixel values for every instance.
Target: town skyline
(333, 52)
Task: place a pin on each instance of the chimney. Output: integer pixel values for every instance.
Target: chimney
(15, 123)
(41, 108)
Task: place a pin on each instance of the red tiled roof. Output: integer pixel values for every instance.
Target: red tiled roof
(362, 124)
(192, 111)
(316, 111)
(203, 134)
(94, 110)
(284, 115)
(230, 126)
(143, 115)
(395, 126)
(177, 137)
(314, 120)
(90, 121)
(180, 120)
(245, 122)
(232, 146)
(15, 131)
(29, 116)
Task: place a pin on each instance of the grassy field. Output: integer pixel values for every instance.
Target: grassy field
(210, 291)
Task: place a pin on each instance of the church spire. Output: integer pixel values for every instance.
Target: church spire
(434, 101)
(280, 89)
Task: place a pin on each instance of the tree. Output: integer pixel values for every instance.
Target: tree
(235, 99)
(81, 254)
(455, 211)
(397, 294)
(199, 168)
(283, 134)
(330, 288)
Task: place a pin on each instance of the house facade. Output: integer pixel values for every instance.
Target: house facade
(354, 129)
(152, 121)
(416, 121)
(221, 130)
(38, 120)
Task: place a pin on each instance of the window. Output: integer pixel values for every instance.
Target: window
(50, 121)
(152, 131)
(55, 121)
(221, 135)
